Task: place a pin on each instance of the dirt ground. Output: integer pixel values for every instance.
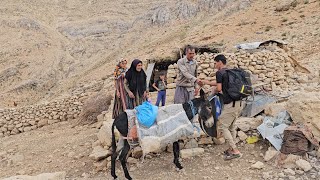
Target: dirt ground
(59, 147)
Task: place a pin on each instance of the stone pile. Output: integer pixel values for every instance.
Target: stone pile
(17, 120)
(171, 76)
(272, 66)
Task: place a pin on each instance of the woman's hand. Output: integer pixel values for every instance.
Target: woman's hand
(131, 95)
(145, 94)
(118, 94)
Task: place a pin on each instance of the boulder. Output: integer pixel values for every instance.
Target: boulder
(104, 134)
(245, 124)
(137, 152)
(305, 108)
(274, 109)
(191, 144)
(99, 153)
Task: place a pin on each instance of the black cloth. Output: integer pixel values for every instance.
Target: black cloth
(160, 85)
(137, 79)
(222, 77)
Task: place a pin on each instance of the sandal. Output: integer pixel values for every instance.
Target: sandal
(228, 151)
(229, 156)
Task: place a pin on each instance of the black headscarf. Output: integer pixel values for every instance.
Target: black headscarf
(137, 80)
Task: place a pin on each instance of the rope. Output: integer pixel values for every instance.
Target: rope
(193, 109)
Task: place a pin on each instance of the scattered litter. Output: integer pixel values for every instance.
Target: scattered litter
(252, 139)
(272, 128)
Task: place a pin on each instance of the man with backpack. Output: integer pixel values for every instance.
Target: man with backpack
(231, 83)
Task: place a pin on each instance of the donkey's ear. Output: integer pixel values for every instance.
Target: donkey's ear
(202, 94)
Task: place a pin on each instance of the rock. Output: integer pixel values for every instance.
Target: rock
(290, 161)
(272, 152)
(132, 160)
(170, 148)
(245, 124)
(100, 165)
(289, 172)
(299, 172)
(274, 109)
(26, 129)
(242, 135)
(281, 175)
(205, 140)
(291, 177)
(303, 164)
(266, 175)
(99, 153)
(100, 117)
(171, 86)
(44, 176)
(42, 122)
(219, 141)
(205, 66)
(186, 153)
(303, 79)
(191, 144)
(305, 108)
(257, 165)
(104, 134)
(137, 152)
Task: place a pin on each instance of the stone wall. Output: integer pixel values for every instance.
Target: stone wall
(271, 65)
(17, 120)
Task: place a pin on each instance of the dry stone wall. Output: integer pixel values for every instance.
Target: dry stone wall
(17, 120)
(271, 66)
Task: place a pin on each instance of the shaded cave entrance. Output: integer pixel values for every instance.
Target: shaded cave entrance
(158, 65)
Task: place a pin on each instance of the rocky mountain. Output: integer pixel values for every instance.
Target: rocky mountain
(52, 48)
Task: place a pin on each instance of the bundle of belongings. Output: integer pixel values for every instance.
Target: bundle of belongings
(171, 124)
(298, 140)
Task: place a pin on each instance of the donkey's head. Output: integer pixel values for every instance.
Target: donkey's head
(203, 106)
(205, 110)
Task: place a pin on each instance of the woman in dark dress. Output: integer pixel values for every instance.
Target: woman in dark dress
(135, 84)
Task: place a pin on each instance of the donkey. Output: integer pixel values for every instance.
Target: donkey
(200, 106)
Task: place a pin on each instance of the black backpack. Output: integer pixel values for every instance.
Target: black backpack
(238, 84)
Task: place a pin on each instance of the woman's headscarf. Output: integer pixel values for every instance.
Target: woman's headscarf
(137, 80)
(118, 70)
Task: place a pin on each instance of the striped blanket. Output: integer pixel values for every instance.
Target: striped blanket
(171, 125)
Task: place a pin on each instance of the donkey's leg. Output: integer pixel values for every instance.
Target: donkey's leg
(123, 159)
(114, 154)
(176, 154)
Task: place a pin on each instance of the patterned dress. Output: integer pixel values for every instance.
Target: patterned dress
(120, 104)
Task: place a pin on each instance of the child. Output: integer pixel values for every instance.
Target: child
(161, 85)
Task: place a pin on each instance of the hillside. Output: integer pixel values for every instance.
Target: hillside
(49, 48)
